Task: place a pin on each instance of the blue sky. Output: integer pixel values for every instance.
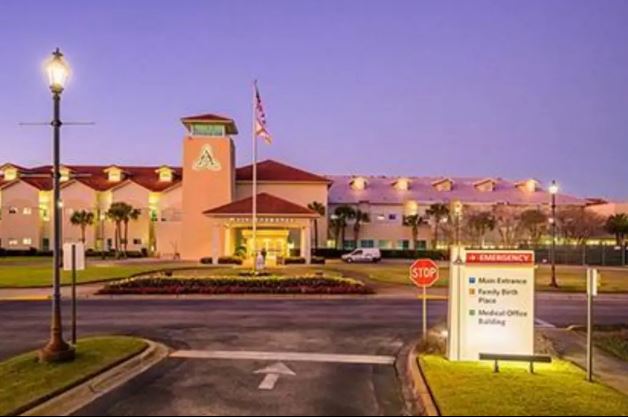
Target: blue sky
(483, 88)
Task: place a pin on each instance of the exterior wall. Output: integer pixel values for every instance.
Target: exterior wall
(302, 194)
(609, 209)
(14, 228)
(77, 197)
(204, 189)
(168, 225)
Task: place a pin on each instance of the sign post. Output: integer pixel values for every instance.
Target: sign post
(424, 273)
(74, 260)
(592, 285)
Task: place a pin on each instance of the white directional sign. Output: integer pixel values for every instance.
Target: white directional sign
(273, 373)
(79, 253)
(491, 303)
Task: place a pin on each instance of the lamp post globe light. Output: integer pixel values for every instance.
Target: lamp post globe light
(553, 190)
(57, 349)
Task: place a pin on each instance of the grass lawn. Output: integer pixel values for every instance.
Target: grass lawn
(24, 380)
(37, 271)
(557, 389)
(570, 278)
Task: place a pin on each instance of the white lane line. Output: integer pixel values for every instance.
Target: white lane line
(269, 382)
(285, 356)
(544, 324)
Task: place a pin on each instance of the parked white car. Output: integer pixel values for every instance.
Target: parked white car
(366, 255)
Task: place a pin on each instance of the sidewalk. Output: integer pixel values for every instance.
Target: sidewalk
(607, 369)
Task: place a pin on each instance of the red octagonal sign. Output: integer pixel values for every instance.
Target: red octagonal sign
(424, 272)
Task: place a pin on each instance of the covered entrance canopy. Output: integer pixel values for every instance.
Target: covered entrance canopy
(283, 229)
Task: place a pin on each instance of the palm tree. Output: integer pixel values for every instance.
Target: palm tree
(319, 208)
(414, 221)
(334, 228)
(618, 226)
(82, 219)
(479, 224)
(122, 214)
(343, 214)
(359, 218)
(439, 213)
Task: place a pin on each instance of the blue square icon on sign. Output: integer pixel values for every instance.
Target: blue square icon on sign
(472, 280)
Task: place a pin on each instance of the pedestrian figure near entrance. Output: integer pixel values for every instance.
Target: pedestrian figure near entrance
(264, 254)
(260, 261)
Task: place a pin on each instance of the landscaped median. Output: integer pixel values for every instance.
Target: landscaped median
(27, 383)
(238, 284)
(465, 388)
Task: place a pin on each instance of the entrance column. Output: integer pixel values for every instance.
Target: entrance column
(306, 239)
(215, 239)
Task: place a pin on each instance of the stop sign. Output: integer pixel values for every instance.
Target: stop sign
(424, 272)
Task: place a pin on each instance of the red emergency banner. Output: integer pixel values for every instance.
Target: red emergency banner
(500, 258)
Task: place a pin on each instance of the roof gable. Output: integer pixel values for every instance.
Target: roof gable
(267, 204)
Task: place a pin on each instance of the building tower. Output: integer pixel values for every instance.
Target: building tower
(208, 180)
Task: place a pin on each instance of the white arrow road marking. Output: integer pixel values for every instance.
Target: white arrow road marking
(285, 356)
(273, 373)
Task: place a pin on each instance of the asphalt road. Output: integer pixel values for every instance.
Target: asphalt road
(193, 386)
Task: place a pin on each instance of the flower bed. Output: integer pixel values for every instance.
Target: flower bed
(307, 284)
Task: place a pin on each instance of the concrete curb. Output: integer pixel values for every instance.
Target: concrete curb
(420, 389)
(78, 397)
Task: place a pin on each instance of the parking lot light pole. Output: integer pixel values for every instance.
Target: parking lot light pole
(553, 190)
(57, 350)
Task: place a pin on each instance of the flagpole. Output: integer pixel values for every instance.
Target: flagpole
(254, 133)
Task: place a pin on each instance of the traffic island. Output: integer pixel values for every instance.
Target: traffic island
(33, 388)
(472, 388)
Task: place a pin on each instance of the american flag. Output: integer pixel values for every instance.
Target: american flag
(261, 128)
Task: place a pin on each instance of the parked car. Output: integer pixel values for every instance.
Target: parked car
(363, 255)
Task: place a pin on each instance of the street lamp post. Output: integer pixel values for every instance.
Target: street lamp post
(553, 190)
(57, 350)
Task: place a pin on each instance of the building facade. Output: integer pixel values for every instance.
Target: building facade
(203, 208)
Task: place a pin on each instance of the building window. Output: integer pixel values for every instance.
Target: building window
(46, 244)
(349, 244)
(206, 129)
(109, 244)
(27, 241)
(404, 244)
(380, 217)
(392, 217)
(421, 245)
(12, 210)
(385, 244)
(13, 242)
(368, 243)
(137, 241)
(27, 211)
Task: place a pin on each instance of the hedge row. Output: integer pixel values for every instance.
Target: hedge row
(236, 285)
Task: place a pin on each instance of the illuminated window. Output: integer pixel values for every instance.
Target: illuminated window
(13, 242)
(207, 129)
(27, 241)
(114, 174)
(27, 211)
(165, 174)
(65, 174)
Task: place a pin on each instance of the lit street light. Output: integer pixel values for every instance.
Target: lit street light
(57, 350)
(553, 190)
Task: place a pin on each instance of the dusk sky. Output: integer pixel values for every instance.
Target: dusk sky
(512, 89)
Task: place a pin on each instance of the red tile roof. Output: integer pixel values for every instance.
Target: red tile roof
(267, 204)
(270, 170)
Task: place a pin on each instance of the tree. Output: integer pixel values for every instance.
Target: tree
(342, 215)
(579, 225)
(534, 223)
(359, 217)
(507, 220)
(478, 224)
(414, 221)
(319, 208)
(438, 213)
(121, 214)
(82, 219)
(335, 225)
(617, 225)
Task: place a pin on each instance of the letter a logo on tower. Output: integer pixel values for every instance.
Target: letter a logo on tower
(206, 160)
